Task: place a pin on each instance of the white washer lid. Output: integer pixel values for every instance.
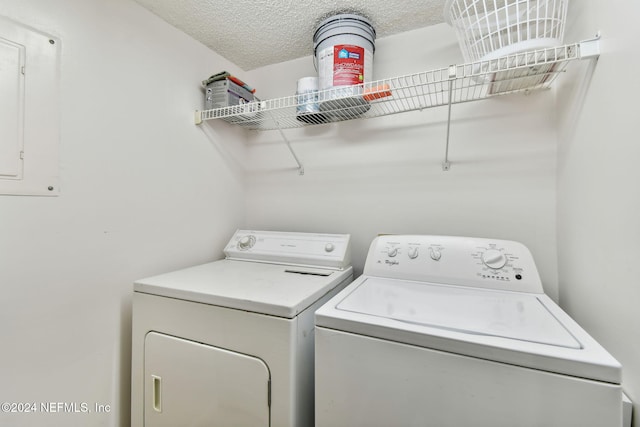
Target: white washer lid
(514, 315)
(488, 324)
(273, 289)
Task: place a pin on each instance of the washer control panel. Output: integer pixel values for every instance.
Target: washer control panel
(465, 261)
(307, 249)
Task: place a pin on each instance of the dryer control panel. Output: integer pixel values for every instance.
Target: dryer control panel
(464, 261)
(290, 248)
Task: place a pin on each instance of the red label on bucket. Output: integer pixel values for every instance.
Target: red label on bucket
(348, 65)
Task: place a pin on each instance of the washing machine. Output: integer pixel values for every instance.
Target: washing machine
(230, 343)
(450, 331)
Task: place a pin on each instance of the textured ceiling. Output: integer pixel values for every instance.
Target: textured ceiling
(255, 33)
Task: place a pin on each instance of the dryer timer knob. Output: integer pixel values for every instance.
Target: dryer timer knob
(246, 242)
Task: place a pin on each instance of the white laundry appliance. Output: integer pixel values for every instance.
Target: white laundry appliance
(231, 343)
(450, 331)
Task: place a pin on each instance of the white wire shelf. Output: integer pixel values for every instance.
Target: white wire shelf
(456, 84)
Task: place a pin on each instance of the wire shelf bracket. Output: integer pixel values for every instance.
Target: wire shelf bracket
(293, 153)
(446, 165)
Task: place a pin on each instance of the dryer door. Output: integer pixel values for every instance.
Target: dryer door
(193, 384)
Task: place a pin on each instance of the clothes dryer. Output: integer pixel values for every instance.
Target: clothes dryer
(449, 331)
(231, 342)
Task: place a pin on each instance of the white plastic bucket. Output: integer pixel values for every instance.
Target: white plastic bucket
(489, 29)
(343, 48)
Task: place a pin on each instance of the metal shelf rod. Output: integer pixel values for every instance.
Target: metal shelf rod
(446, 165)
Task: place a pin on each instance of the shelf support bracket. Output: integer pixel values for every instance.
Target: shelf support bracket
(590, 49)
(446, 165)
(293, 153)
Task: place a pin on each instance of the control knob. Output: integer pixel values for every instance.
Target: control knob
(246, 242)
(329, 247)
(494, 259)
(391, 252)
(413, 253)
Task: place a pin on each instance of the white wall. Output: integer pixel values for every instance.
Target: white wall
(598, 176)
(384, 175)
(143, 191)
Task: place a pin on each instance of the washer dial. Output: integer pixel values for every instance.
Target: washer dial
(494, 259)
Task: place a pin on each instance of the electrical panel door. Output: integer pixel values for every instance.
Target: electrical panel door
(12, 57)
